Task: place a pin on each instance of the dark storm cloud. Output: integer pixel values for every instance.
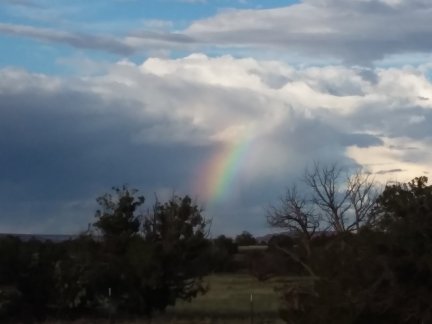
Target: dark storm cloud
(65, 146)
(319, 134)
(405, 121)
(66, 140)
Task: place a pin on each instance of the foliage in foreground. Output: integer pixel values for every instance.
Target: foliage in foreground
(138, 264)
(379, 273)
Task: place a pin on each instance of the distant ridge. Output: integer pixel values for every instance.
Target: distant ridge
(40, 237)
(266, 238)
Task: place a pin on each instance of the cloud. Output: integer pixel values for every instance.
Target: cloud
(389, 171)
(410, 157)
(74, 39)
(360, 31)
(62, 143)
(25, 3)
(125, 46)
(154, 125)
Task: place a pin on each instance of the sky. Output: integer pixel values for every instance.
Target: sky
(227, 101)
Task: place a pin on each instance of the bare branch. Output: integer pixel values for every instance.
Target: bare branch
(294, 214)
(332, 203)
(363, 196)
(324, 183)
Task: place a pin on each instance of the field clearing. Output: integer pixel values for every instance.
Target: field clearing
(231, 294)
(226, 302)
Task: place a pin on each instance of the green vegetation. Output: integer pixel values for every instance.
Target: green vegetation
(227, 301)
(138, 265)
(374, 262)
(229, 296)
(352, 256)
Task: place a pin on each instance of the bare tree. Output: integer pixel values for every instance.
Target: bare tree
(363, 196)
(332, 201)
(296, 216)
(345, 201)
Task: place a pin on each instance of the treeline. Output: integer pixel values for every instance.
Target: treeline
(131, 264)
(360, 255)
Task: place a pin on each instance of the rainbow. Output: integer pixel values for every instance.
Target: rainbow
(217, 178)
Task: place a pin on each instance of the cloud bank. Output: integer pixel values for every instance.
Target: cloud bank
(154, 125)
(358, 32)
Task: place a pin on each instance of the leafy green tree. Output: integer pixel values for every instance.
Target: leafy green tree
(405, 216)
(138, 264)
(245, 239)
(222, 254)
(27, 278)
(76, 276)
(10, 265)
(177, 230)
(117, 217)
(150, 261)
(226, 243)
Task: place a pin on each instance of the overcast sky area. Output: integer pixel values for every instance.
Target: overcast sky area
(153, 94)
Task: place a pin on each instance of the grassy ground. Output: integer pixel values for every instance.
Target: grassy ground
(227, 302)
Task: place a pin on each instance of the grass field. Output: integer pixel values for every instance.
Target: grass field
(226, 302)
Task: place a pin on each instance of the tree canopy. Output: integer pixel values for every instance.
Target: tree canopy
(133, 264)
(379, 273)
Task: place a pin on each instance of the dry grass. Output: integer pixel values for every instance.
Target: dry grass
(231, 294)
(227, 302)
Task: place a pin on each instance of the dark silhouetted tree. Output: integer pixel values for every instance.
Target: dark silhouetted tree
(222, 254)
(331, 203)
(245, 239)
(117, 216)
(381, 273)
(150, 261)
(177, 232)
